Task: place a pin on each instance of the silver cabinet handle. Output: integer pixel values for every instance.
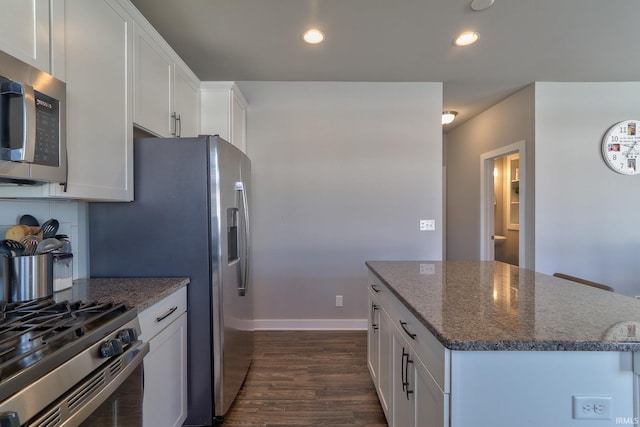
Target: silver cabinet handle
(174, 116)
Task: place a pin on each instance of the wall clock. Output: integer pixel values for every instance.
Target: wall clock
(627, 331)
(621, 147)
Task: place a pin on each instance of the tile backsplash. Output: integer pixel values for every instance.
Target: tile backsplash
(73, 222)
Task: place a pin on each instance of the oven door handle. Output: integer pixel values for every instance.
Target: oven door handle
(132, 358)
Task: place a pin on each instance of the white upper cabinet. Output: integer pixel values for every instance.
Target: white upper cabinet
(153, 88)
(99, 93)
(94, 47)
(223, 111)
(166, 91)
(186, 98)
(95, 54)
(25, 31)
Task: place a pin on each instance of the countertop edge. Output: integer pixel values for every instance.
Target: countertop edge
(138, 292)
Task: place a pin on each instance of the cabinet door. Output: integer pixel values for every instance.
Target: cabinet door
(432, 405)
(223, 112)
(403, 399)
(165, 377)
(186, 95)
(385, 363)
(153, 86)
(417, 399)
(99, 122)
(25, 31)
(373, 341)
(238, 120)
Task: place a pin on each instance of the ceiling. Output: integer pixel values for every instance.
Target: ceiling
(521, 41)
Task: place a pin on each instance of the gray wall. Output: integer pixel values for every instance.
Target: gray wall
(510, 121)
(342, 173)
(587, 216)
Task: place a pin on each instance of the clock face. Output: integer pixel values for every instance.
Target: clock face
(621, 147)
(627, 331)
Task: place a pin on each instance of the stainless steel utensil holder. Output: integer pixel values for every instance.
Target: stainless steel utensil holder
(31, 277)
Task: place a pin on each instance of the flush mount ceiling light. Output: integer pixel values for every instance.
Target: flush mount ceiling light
(313, 36)
(466, 38)
(479, 5)
(448, 117)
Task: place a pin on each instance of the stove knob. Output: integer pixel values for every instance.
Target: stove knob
(9, 419)
(111, 348)
(127, 336)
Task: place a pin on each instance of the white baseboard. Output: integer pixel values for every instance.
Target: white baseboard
(310, 324)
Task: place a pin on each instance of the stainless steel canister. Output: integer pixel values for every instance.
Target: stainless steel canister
(5, 281)
(31, 277)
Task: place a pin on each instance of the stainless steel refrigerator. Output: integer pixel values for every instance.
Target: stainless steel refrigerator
(190, 218)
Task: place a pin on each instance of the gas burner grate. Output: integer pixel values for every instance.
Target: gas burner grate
(29, 331)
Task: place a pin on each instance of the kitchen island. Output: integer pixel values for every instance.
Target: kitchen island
(460, 343)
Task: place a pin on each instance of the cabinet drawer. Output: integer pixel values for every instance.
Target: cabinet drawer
(161, 314)
(433, 354)
(379, 291)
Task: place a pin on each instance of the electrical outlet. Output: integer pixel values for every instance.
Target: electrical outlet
(338, 300)
(591, 407)
(427, 224)
(427, 269)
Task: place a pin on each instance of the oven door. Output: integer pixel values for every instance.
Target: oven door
(110, 397)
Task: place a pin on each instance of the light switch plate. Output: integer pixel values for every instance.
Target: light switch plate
(427, 224)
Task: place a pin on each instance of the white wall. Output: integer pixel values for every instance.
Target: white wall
(509, 121)
(587, 216)
(342, 173)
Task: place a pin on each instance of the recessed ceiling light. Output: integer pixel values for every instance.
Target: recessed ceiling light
(467, 38)
(313, 36)
(479, 5)
(448, 117)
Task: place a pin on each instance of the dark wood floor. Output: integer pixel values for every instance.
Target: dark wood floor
(308, 378)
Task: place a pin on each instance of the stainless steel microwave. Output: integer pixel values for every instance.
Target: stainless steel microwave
(32, 124)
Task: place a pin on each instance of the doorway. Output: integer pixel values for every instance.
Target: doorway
(503, 202)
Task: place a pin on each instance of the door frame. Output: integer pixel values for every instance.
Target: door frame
(487, 200)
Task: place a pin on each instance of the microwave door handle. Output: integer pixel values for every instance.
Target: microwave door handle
(29, 141)
(27, 110)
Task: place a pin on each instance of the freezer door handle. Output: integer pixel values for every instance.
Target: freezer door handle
(244, 282)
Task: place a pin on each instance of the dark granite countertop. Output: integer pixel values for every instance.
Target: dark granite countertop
(486, 305)
(137, 292)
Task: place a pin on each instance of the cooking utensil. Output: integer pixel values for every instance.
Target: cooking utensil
(30, 243)
(48, 245)
(29, 220)
(49, 228)
(12, 246)
(17, 232)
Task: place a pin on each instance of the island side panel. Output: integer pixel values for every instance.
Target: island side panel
(535, 388)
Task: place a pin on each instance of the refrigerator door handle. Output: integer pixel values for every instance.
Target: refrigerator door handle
(242, 289)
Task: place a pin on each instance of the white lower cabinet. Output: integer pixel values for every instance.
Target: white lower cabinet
(409, 370)
(417, 399)
(379, 349)
(164, 326)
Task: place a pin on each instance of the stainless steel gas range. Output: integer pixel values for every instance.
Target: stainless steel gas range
(69, 364)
